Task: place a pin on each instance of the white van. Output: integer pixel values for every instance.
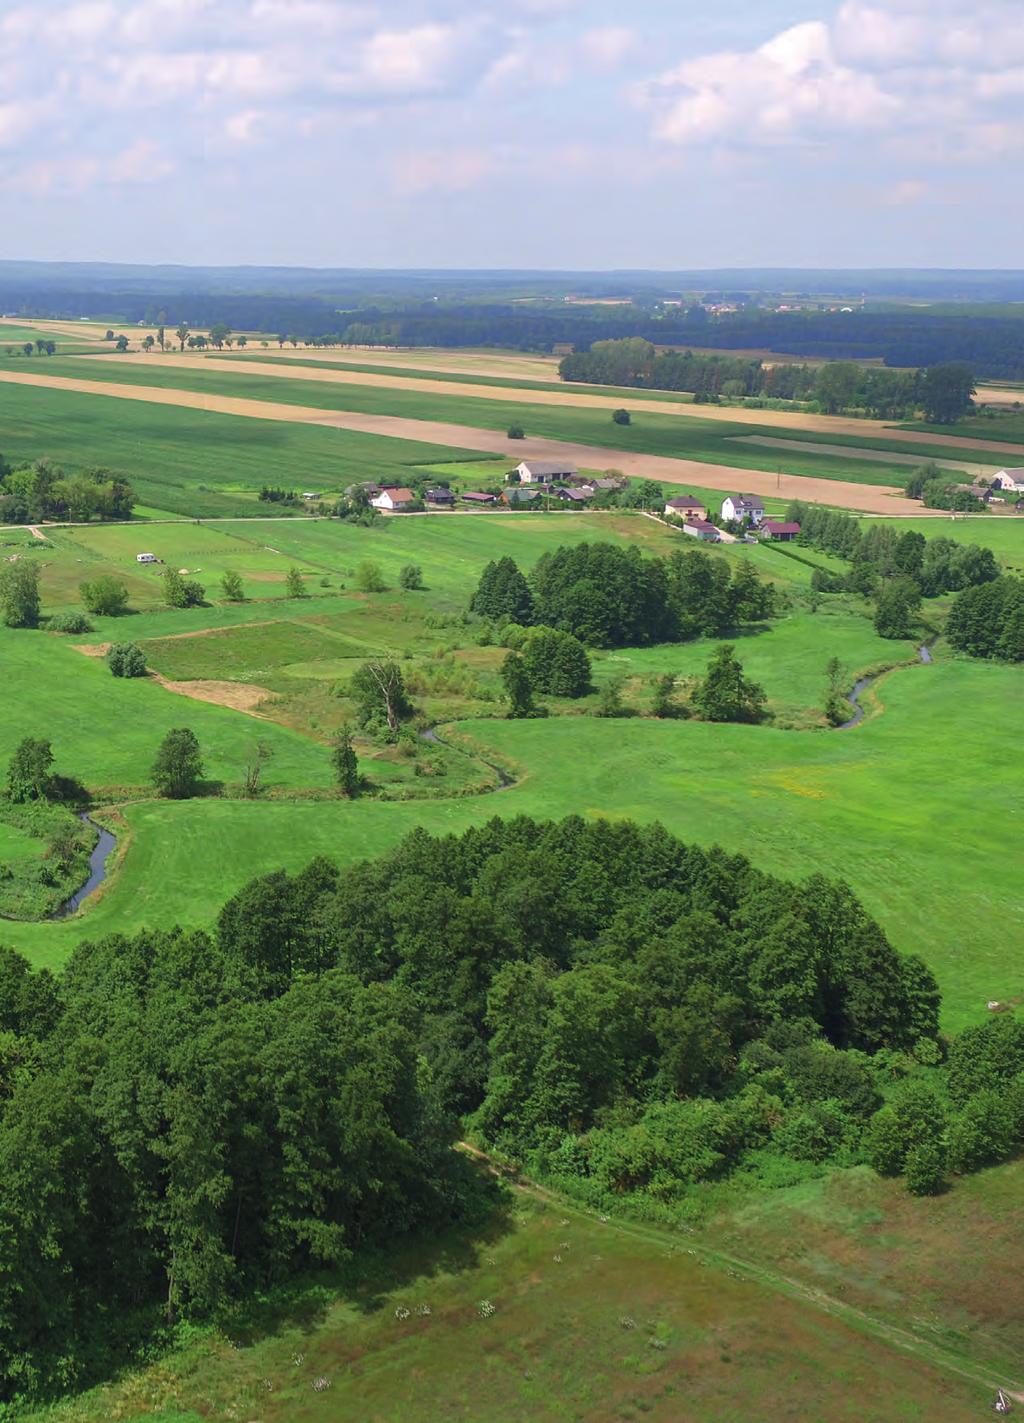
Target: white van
(145, 558)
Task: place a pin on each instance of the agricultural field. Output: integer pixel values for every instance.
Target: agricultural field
(705, 438)
(197, 463)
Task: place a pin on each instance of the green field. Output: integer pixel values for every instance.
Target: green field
(196, 463)
(1007, 426)
(676, 436)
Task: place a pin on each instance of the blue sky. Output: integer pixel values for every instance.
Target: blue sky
(519, 133)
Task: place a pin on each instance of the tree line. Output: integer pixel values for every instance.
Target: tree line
(31, 492)
(943, 392)
(608, 596)
(988, 620)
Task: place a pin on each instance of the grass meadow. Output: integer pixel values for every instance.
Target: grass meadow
(548, 1315)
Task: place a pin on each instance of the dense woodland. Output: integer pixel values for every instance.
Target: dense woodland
(187, 1117)
(988, 621)
(613, 597)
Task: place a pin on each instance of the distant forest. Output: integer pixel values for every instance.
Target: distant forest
(527, 311)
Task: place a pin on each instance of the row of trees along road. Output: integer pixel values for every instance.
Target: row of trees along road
(673, 1015)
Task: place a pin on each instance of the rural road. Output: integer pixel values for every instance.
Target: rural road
(868, 498)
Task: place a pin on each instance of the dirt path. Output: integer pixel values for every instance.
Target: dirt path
(580, 397)
(937, 1353)
(869, 498)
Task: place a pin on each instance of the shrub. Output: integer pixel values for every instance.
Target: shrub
(411, 577)
(622, 417)
(76, 623)
(126, 659)
(105, 596)
(516, 432)
(370, 578)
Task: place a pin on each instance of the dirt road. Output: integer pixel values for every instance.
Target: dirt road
(872, 499)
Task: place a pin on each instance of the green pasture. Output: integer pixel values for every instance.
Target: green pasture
(105, 730)
(588, 1319)
(893, 806)
(676, 436)
(787, 657)
(196, 463)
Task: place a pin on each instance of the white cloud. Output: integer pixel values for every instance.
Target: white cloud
(901, 70)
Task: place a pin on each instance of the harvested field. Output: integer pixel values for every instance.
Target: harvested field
(239, 696)
(873, 499)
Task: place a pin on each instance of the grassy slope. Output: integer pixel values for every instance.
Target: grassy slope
(893, 806)
(682, 437)
(194, 462)
(1007, 427)
(703, 1342)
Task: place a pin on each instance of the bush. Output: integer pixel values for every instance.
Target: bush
(516, 432)
(182, 592)
(126, 659)
(76, 623)
(370, 578)
(622, 417)
(411, 577)
(105, 596)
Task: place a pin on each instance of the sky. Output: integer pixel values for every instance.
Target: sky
(569, 134)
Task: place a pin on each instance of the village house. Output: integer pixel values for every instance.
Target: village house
(700, 529)
(516, 497)
(440, 498)
(780, 532)
(685, 506)
(545, 471)
(394, 500)
(736, 508)
(1012, 480)
(573, 496)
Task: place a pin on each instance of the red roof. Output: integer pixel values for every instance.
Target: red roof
(398, 496)
(772, 526)
(478, 496)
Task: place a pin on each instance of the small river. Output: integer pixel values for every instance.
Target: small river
(102, 850)
(859, 688)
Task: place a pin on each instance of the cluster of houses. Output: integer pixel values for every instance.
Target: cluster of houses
(746, 509)
(536, 480)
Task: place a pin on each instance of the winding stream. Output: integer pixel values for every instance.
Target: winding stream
(860, 687)
(506, 782)
(101, 853)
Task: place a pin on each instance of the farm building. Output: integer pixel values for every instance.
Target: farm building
(517, 497)
(573, 496)
(544, 471)
(477, 496)
(441, 498)
(782, 533)
(685, 506)
(738, 507)
(1011, 480)
(394, 500)
(700, 529)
